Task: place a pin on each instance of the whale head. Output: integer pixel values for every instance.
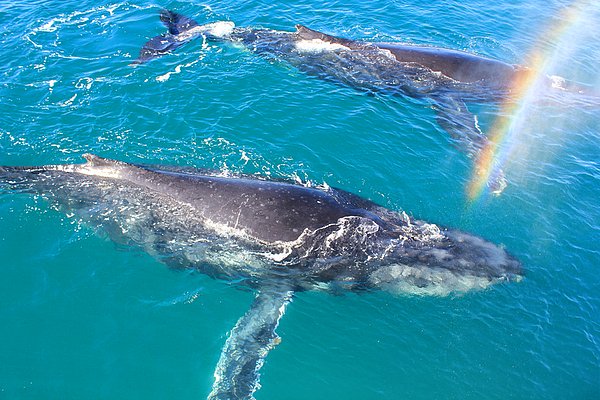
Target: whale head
(448, 262)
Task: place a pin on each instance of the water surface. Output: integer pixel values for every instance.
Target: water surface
(83, 318)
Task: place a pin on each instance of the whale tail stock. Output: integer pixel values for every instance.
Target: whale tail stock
(181, 29)
(67, 179)
(19, 179)
(177, 25)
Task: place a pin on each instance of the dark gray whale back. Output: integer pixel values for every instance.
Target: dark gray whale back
(457, 65)
(267, 211)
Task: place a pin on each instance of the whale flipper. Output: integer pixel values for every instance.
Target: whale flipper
(455, 118)
(250, 340)
(177, 25)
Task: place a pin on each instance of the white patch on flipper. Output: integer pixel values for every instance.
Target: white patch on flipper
(318, 46)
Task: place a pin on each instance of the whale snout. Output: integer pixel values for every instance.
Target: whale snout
(454, 262)
(484, 258)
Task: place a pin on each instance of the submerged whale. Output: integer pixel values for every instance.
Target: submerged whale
(446, 78)
(379, 66)
(274, 237)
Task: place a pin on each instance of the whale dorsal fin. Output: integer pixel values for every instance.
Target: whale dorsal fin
(97, 161)
(310, 34)
(307, 33)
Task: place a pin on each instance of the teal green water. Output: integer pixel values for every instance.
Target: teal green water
(82, 318)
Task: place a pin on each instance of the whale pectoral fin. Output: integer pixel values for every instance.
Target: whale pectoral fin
(455, 118)
(249, 342)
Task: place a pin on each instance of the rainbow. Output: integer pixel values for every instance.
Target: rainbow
(515, 111)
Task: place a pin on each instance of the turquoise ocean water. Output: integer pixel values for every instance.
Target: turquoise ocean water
(83, 318)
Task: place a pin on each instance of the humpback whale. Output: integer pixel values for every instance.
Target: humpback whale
(446, 78)
(276, 238)
(389, 67)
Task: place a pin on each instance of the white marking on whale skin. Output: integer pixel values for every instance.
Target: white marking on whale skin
(318, 46)
(280, 250)
(90, 170)
(402, 279)
(388, 54)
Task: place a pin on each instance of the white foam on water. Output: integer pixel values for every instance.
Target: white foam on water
(68, 102)
(165, 77)
(84, 83)
(558, 82)
(90, 16)
(318, 46)
(220, 29)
